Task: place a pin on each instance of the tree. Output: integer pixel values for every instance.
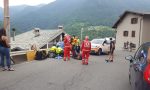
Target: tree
(74, 28)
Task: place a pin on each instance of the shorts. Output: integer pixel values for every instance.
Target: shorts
(112, 51)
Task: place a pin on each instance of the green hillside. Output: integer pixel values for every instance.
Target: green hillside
(74, 28)
(62, 12)
(73, 12)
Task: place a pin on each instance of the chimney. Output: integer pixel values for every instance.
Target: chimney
(36, 32)
(14, 33)
(60, 27)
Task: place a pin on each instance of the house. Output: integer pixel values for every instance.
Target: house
(133, 27)
(38, 37)
(43, 39)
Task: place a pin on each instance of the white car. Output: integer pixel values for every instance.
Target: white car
(98, 46)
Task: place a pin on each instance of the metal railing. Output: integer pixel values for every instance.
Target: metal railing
(25, 47)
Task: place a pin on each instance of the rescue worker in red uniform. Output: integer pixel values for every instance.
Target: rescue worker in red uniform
(86, 48)
(67, 47)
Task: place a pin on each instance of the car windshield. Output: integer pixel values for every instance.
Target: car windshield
(97, 41)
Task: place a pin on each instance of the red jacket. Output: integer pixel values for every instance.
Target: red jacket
(147, 73)
(86, 45)
(67, 40)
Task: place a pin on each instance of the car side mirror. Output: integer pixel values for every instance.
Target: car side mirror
(129, 58)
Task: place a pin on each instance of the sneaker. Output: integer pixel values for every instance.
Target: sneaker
(111, 61)
(86, 63)
(11, 69)
(64, 59)
(83, 62)
(4, 69)
(107, 61)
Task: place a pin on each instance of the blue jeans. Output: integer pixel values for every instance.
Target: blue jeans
(5, 52)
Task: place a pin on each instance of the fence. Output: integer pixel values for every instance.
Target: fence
(23, 48)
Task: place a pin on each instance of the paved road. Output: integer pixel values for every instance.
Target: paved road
(71, 75)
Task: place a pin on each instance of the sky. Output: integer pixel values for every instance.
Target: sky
(26, 2)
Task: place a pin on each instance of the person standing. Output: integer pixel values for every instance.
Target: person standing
(73, 40)
(127, 45)
(111, 53)
(131, 45)
(77, 45)
(67, 47)
(85, 48)
(5, 50)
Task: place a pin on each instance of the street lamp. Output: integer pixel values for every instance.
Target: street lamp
(14, 30)
(82, 29)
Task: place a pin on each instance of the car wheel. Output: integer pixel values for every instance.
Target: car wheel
(99, 52)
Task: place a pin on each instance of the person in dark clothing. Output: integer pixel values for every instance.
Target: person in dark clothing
(5, 50)
(73, 46)
(131, 46)
(127, 45)
(111, 53)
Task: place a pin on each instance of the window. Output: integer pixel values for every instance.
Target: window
(133, 34)
(134, 20)
(125, 33)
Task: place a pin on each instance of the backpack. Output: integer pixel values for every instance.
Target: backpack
(52, 54)
(67, 40)
(44, 54)
(40, 55)
(87, 45)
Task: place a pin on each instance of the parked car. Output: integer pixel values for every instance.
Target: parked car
(98, 46)
(138, 64)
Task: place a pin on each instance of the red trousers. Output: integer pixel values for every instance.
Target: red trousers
(85, 56)
(67, 53)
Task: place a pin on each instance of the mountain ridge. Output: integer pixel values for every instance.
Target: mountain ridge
(62, 12)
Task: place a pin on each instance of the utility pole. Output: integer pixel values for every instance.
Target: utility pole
(7, 18)
(81, 33)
